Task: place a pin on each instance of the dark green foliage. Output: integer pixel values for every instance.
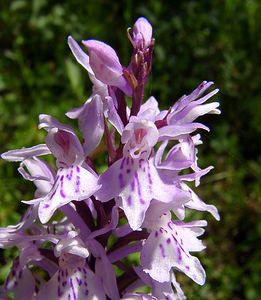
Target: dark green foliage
(195, 41)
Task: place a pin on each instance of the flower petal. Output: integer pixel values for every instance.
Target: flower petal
(24, 153)
(91, 122)
(163, 250)
(73, 183)
(73, 284)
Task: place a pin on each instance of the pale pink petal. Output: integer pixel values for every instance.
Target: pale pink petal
(24, 153)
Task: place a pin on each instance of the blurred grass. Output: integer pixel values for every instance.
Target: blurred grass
(195, 41)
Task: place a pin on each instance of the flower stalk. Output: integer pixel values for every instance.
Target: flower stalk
(137, 206)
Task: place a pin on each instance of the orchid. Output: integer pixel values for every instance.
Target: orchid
(79, 229)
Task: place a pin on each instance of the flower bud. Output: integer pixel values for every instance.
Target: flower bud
(142, 33)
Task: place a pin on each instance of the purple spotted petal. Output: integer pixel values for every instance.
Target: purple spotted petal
(165, 249)
(137, 182)
(73, 284)
(73, 183)
(162, 290)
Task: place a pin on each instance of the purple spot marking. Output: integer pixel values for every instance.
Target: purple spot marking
(79, 281)
(62, 193)
(58, 278)
(128, 171)
(187, 267)
(86, 292)
(64, 283)
(78, 169)
(73, 290)
(179, 254)
(142, 201)
(181, 241)
(84, 271)
(132, 185)
(121, 181)
(129, 200)
(59, 292)
(156, 233)
(170, 225)
(168, 241)
(122, 163)
(61, 188)
(70, 175)
(149, 176)
(138, 182)
(46, 205)
(140, 162)
(54, 192)
(20, 274)
(162, 250)
(179, 248)
(132, 161)
(78, 182)
(69, 296)
(85, 283)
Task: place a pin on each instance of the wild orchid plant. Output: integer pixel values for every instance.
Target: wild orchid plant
(136, 206)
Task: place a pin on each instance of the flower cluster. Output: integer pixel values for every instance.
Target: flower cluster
(77, 233)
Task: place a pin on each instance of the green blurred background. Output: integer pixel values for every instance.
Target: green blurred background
(216, 40)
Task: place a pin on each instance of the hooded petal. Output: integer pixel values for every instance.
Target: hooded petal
(106, 65)
(149, 110)
(91, 122)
